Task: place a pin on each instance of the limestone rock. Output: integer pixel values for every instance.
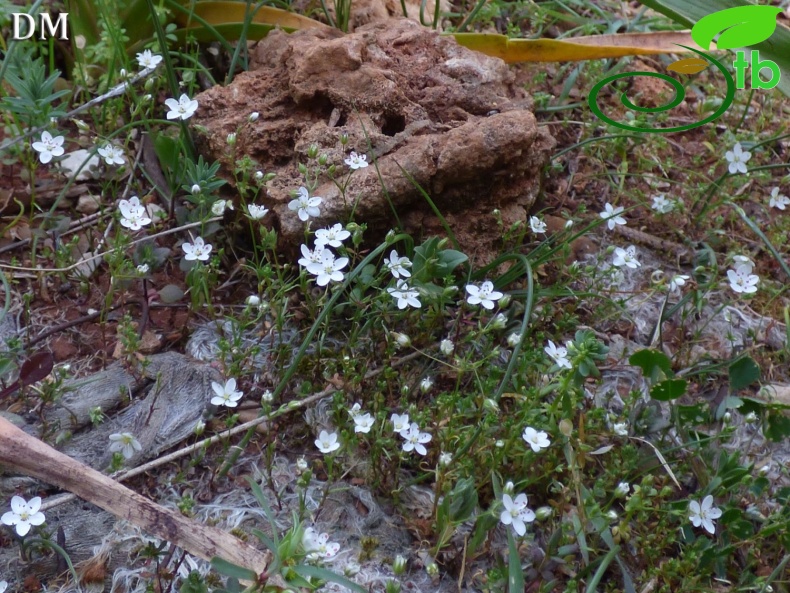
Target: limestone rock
(409, 98)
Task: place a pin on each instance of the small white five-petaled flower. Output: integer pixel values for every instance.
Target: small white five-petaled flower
(318, 546)
(626, 257)
(363, 422)
(415, 439)
(677, 282)
(484, 294)
(198, 250)
(226, 395)
(704, 514)
(327, 442)
(558, 354)
(304, 205)
(328, 269)
(112, 155)
(777, 200)
(537, 225)
(400, 422)
(133, 214)
(257, 212)
(662, 205)
(742, 280)
(48, 147)
(612, 215)
(148, 59)
(405, 295)
(332, 236)
(536, 439)
(23, 514)
(397, 265)
(182, 109)
(737, 159)
(357, 161)
(516, 513)
(125, 443)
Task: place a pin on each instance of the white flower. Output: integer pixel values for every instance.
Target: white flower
(112, 155)
(514, 339)
(536, 439)
(148, 59)
(226, 394)
(446, 347)
(363, 422)
(143, 269)
(620, 429)
(133, 214)
(626, 257)
(257, 212)
(328, 269)
(310, 256)
(301, 465)
(332, 236)
(326, 442)
(258, 175)
(3, 586)
(218, 208)
(612, 215)
(778, 201)
(183, 109)
(662, 205)
(48, 147)
(426, 384)
(355, 410)
(445, 458)
(623, 488)
(397, 265)
(304, 205)
(415, 439)
(197, 250)
(253, 300)
(357, 161)
(677, 282)
(537, 225)
(742, 279)
(400, 422)
(318, 546)
(267, 397)
(23, 514)
(483, 295)
(405, 295)
(516, 513)
(558, 354)
(737, 158)
(704, 514)
(742, 260)
(253, 116)
(125, 443)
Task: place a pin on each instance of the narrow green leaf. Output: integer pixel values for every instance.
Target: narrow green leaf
(261, 498)
(327, 575)
(233, 570)
(515, 576)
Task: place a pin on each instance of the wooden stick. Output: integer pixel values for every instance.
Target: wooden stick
(27, 455)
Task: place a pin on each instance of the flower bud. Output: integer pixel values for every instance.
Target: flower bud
(543, 513)
(509, 488)
(399, 565)
(513, 339)
(446, 347)
(322, 160)
(302, 168)
(504, 301)
(343, 139)
(611, 515)
(312, 151)
(499, 321)
(751, 417)
(258, 175)
(267, 397)
(622, 490)
(490, 405)
(199, 427)
(232, 138)
(253, 300)
(301, 465)
(426, 384)
(432, 569)
(253, 116)
(195, 189)
(402, 340)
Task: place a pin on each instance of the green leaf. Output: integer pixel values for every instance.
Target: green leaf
(668, 390)
(739, 27)
(327, 575)
(261, 498)
(655, 365)
(515, 576)
(777, 427)
(233, 570)
(463, 500)
(743, 372)
(449, 259)
(689, 12)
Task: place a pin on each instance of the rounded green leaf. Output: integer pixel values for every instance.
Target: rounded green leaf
(739, 27)
(668, 390)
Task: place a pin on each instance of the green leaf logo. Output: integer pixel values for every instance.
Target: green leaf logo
(739, 27)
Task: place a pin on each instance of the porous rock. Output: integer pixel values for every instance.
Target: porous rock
(412, 100)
